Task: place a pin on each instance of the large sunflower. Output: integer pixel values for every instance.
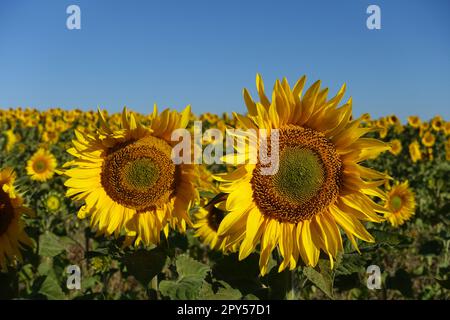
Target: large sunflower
(12, 234)
(127, 177)
(41, 166)
(319, 186)
(401, 203)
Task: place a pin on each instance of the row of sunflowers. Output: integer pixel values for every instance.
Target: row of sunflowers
(100, 191)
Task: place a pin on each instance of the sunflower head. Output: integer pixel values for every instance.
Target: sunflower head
(320, 184)
(41, 166)
(52, 202)
(127, 178)
(12, 234)
(437, 123)
(396, 147)
(415, 152)
(401, 204)
(428, 139)
(207, 222)
(414, 121)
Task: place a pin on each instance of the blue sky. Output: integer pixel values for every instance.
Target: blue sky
(203, 53)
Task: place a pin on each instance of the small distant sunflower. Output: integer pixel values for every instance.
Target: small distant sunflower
(394, 120)
(319, 186)
(396, 147)
(437, 123)
(208, 219)
(52, 202)
(447, 128)
(401, 203)
(414, 121)
(428, 139)
(11, 139)
(415, 152)
(12, 234)
(41, 166)
(128, 180)
(424, 127)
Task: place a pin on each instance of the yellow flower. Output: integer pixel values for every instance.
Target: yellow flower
(41, 166)
(424, 128)
(319, 186)
(128, 180)
(447, 128)
(401, 203)
(11, 139)
(437, 123)
(428, 139)
(396, 147)
(415, 152)
(208, 219)
(52, 202)
(414, 121)
(12, 234)
(394, 120)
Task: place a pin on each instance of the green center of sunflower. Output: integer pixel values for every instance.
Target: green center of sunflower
(300, 174)
(6, 211)
(140, 175)
(396, 203)
(308, 178)
(39, 166)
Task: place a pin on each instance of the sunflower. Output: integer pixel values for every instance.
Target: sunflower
(319, 186)
(11, 139)
(428, 139)
(401, 203)
(437, 123)
(52, 202)
(396, 147)
(447, 128)
(41, 166)
(394, 120)
(12, 234)
(423, 128)
(415, 152)
(414, 121)
(208, 219)
(128, 180)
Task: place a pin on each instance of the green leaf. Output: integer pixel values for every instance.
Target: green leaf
(186, 266)
(145, 265)
(51, 288)
(349, 263)
(49, 245)
(186, 288)
(321, 278)
(191, 274)
(383, 237)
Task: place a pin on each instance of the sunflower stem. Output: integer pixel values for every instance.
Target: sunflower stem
(291, 293)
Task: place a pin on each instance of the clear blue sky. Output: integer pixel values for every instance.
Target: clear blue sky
(203, 53)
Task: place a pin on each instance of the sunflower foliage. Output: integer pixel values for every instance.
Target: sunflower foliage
(196, 238)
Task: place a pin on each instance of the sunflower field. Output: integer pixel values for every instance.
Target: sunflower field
(97, 195)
